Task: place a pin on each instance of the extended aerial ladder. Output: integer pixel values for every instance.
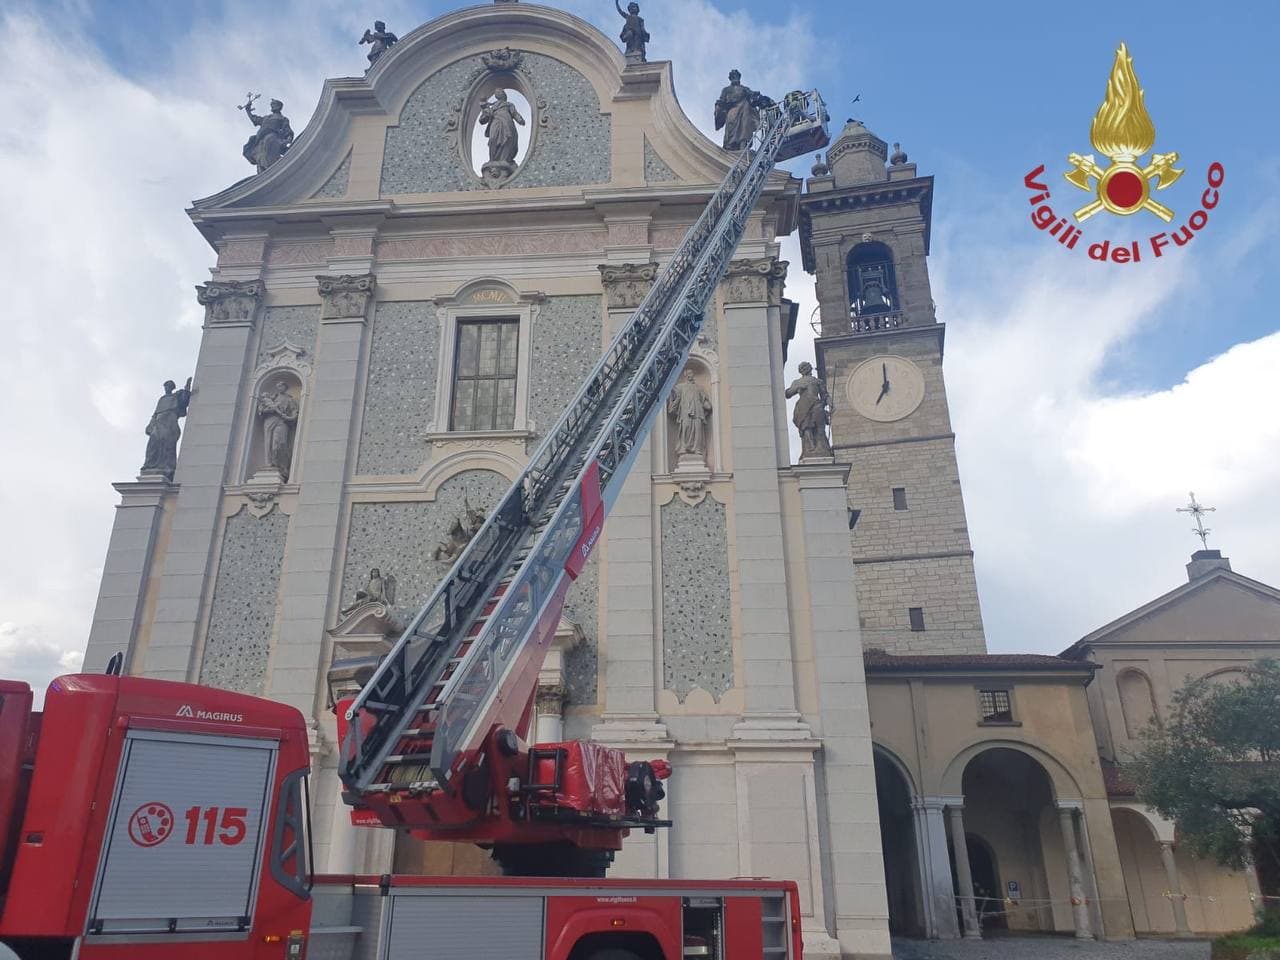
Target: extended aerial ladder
(431, 741)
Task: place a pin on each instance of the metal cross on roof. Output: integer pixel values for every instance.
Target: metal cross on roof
(1198, 511)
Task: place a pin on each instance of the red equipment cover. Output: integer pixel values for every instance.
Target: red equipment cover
(592, 777)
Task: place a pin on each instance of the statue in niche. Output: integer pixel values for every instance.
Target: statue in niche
(279, 413)
(461, 533)
(273, 137)
(690, 407)
(380, 40)
(633, 36)
(499, 118)
(379, 589)
(163, 430)
(736, 112)
(811, 414)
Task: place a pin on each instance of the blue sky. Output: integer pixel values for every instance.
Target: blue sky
(1087, 398)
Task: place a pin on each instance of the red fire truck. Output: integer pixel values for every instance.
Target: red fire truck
(145, 819)
(148, 819)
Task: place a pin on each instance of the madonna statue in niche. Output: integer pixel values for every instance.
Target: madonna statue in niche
(499, 117)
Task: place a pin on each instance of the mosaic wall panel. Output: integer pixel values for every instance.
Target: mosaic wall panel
(400, 394)
(335, 188)
(238, 641)
(697, 637)
(295, 324)
(655, 168)
(573, 148)
(582, 605)
(400, 538)
(566, 345)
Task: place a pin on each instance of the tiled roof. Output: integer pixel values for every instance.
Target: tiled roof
(880, 662)
(1113, 777)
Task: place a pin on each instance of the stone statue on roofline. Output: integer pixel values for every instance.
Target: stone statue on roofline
(163, 430)
(633, 36)
(380, 40)
(811, 414)
(273, 137)
(737, 112)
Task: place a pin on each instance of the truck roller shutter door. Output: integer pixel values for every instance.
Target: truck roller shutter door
(183, 847)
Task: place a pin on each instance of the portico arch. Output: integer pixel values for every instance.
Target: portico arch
(895, 791)
(1063, 781)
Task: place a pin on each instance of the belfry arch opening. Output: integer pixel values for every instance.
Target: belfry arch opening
(873, 283)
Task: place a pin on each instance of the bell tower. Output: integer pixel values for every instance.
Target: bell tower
(864, 233)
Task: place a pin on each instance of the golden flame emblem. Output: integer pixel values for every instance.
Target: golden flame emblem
(1122, 130)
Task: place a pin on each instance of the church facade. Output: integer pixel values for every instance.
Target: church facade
(403, 301)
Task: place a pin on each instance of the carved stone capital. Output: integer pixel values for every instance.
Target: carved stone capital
(755, 281)
(345, 296)
(229, 300)
(551, 698)
(626, 284)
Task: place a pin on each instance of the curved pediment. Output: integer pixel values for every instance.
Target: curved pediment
(403, 132)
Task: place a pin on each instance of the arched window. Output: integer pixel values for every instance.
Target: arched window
(1137, 702)
(873, 288)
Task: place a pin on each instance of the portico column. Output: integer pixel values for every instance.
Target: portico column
(1175, 889)
(1251, 873)
(1079, 908)
(935, 869)
(960, 847)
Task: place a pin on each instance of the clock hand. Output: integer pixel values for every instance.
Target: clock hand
(883, 390)
(884, 369)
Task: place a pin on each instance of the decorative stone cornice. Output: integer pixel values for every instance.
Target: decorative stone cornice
(346, 296)
(626, 284)
(229, 301)
(755, 281)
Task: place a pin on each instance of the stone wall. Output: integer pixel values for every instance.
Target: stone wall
(242, 618)
(571, 137)
(943, 587)
(934, 521)
(399, 401)
(697, 632)
(566, 345)
(399, 538)
(294, 324)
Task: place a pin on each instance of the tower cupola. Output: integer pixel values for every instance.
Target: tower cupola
(857, 156)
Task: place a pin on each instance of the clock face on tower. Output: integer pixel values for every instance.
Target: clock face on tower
(886, 388)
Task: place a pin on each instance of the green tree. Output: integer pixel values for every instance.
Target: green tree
(1214, 766)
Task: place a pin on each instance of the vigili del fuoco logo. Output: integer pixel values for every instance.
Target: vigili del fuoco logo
(1122, 131)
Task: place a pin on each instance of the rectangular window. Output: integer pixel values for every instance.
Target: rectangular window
(899, 498)
(484, 375)
(916, 614)
(996, 706)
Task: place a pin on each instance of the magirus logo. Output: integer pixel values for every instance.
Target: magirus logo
(187, 712)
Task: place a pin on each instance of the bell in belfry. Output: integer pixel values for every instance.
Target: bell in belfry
(873, 297)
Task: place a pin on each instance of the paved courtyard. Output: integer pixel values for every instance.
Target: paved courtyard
(1049, 948)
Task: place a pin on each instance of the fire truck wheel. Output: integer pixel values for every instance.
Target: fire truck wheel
(614, 953)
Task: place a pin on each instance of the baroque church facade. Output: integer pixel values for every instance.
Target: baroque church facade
(394, 319)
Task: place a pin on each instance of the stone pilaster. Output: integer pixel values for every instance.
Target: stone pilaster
(117, 618)
(849, 817)
(231, 308)
(768, 672)
(325, 433)
(629, 713)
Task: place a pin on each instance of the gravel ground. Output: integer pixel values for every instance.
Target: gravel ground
(1049, 948)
